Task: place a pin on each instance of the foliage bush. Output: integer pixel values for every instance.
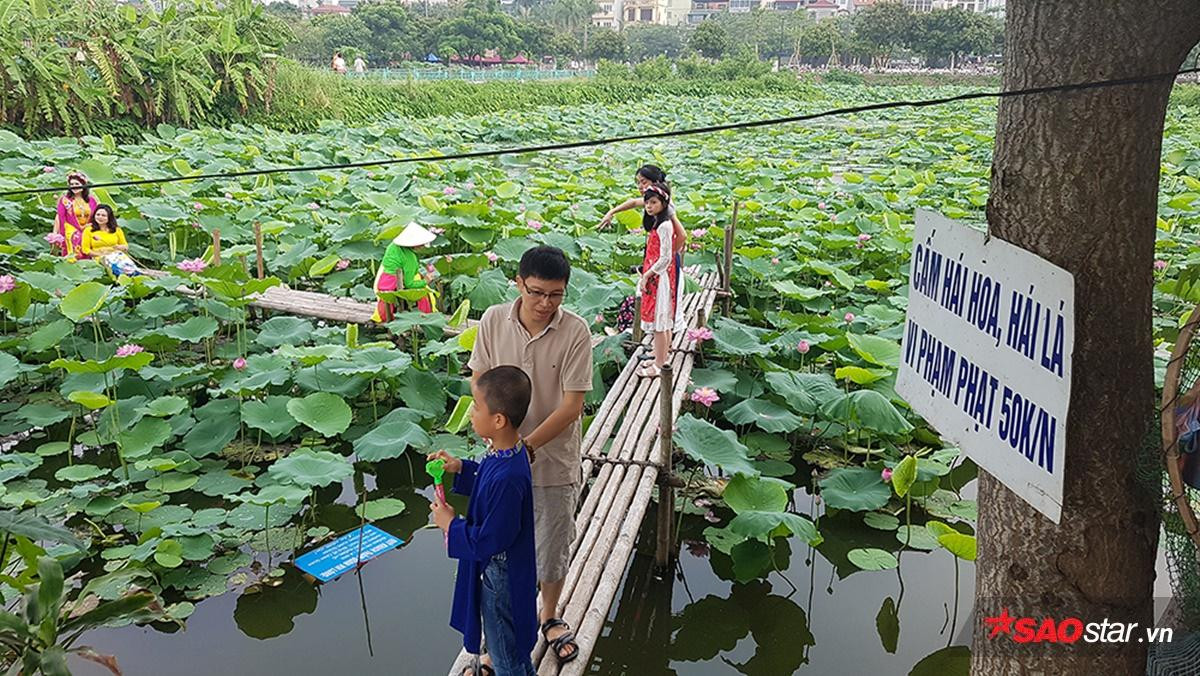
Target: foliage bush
(303, 96)
(90, 60)
(1186, 95)
(843, 77)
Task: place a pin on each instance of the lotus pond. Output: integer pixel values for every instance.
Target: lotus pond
(167, 454)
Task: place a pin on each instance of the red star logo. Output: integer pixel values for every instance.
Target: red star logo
(1001, 624)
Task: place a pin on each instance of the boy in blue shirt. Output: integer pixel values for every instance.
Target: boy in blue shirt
(497, 576)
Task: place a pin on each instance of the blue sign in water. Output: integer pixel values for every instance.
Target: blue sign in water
(331, 560)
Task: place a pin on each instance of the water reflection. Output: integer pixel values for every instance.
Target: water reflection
(268, 612)
(812, 613)
(815, 613)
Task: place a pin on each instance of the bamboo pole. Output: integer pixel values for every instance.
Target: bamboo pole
(727, 278)
(664, 553)
(258, 248)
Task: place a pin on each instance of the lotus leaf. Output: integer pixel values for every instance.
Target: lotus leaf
(326, 413)
(872, 559)
(857, 489)
(707, 443)
(309, 469)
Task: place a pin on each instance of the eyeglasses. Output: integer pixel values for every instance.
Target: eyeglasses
(554, 298)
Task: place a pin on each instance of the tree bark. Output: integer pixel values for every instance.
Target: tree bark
(1075, 180)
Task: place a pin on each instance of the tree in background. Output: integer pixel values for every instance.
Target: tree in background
(392, 30)
(481, 27)
(949, 34)
(822, 42)
(648, 41)
(770, 35)
(563, 45)
(882, 28)
(571, 15)
(606, 43)
(339, 32)
(710, 39)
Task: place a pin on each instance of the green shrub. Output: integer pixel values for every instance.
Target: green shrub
(1186, 95)
(303, 96)
(843, 77)
(611, 70)
(657, 69)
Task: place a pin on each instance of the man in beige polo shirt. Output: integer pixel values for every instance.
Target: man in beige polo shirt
(554, 347)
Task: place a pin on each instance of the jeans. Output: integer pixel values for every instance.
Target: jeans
(507, 658)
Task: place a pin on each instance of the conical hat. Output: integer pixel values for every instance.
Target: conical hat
(414, 235)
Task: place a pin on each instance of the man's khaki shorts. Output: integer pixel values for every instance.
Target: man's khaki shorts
(554, 529)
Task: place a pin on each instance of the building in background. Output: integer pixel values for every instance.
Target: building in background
(822, 9)
(702, 9)
(606, 16)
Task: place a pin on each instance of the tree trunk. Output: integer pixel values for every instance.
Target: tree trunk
(1075, 180)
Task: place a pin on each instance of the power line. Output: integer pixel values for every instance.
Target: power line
(496, 152)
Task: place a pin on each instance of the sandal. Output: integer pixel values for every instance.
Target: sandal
(649, 370)
(566, 640)
(484, 670)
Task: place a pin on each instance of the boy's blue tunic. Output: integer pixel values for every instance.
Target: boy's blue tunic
(499, 519)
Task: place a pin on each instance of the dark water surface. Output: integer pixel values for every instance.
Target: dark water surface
(695, 623)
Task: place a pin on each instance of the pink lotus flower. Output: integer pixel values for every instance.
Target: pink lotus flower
(197, 206)
(821, 206)
(228, 195)
(430, 269)
(699, 335)
(886, 474)
(193, 265)
(695, 246)
(370, 174)
(469, 185)
(449, 190)
(491, 203)
(437, 231)
(55, 238)
(849, 317)
(536, 225)
(313, 206)
(705, 395)
(699, 233)
(774, 261)
(712, 518)
(599, 319)
(1160, 265)
(864, 237)
(803, 347)
(239, 363)
(828, 283)
(129, 349)
(7, 283)
(195, 226)
(343, 264)
(492, 257)
(833, 217)
(448, 258)
(47, 169)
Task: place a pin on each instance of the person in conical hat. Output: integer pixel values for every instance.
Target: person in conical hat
(400, 269)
